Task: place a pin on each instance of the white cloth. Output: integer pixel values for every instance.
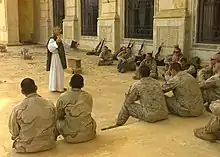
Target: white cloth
(56, 76)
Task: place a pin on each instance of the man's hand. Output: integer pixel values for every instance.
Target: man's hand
(58, 40)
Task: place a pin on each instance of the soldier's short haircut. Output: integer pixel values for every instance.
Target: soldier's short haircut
(144, 71)
(77, 81)
(28, 86)
(175, 66)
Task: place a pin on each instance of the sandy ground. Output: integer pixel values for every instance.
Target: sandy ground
(171, 138)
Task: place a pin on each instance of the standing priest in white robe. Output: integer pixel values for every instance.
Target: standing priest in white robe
(56, 61)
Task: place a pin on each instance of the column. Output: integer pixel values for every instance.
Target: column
(108, 24)
(45, 20)
(70, 23)
(171, 26)
(12, 23)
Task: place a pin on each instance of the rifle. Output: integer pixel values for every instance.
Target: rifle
(129, 44)
(132, 45)
(110, 127)
(97, 47)
(159, 62)
(100, 49)
(141, 48)
(158, 52)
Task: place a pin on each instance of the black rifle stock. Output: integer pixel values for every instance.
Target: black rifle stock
(158, 52)
(100, 48)
(132, 45)
(97, 47)
(129, 44)
(141, 48)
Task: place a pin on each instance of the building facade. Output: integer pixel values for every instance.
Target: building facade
(193, 24)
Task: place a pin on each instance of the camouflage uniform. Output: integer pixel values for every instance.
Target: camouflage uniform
(211, 88)
(191, 69)
(153, 68)
(74, 120)
(211, 132)
(152, 107)
(106, 58)
(126, 62)
(205, 73)
(32, 125)
(187, 100)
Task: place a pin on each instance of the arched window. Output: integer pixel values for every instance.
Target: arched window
(58, 12)
(139, 19)
(89, 17)
(208, 21)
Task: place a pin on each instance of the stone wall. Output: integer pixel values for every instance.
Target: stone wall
(174, 23)
(3, 26)
(9, 26)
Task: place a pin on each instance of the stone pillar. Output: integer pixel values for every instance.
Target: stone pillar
(171, 26)
(45, 20)
(108, 23)
(70, 23)
(3, 23)
(12, 23)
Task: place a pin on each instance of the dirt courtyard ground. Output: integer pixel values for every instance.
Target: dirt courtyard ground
(171, 138)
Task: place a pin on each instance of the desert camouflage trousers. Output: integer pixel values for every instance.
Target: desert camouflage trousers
(137, 111)
(105, 62)
(79, 134)
(210, 95)
(175, 107)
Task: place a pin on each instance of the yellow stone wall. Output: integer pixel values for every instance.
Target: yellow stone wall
(3, 27)
(174, 23)
(26, 19)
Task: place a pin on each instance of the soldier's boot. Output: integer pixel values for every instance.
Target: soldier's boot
(203, 134)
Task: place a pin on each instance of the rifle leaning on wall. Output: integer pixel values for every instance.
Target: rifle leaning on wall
(140, 57)
(132, 45)
(141, 48)
(100, 48)
(159, 62)
(129, 44)
(94, 50)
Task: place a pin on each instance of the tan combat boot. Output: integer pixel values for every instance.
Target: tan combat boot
(203, 134)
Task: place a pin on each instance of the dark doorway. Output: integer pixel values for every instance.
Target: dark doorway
(89, 17)
(139, 19)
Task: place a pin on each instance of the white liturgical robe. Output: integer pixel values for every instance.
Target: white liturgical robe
(56, 76)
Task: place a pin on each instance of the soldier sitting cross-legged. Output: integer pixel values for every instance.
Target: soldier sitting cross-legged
(151, 107)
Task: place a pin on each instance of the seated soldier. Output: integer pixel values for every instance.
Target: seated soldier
(33, 122)
(123, 48)
(187, 100)
(151, 107)
(126, 61)
(211, 87)
(207, 72)
(174, 57)
(105, 57)
(151, 63)
(74, 108)
(187, 67)
(211, 132)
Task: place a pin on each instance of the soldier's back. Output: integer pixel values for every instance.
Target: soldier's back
(152, 97)
(187, 92)
(36, 118)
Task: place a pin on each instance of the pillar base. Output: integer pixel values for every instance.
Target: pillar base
(170, 29)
